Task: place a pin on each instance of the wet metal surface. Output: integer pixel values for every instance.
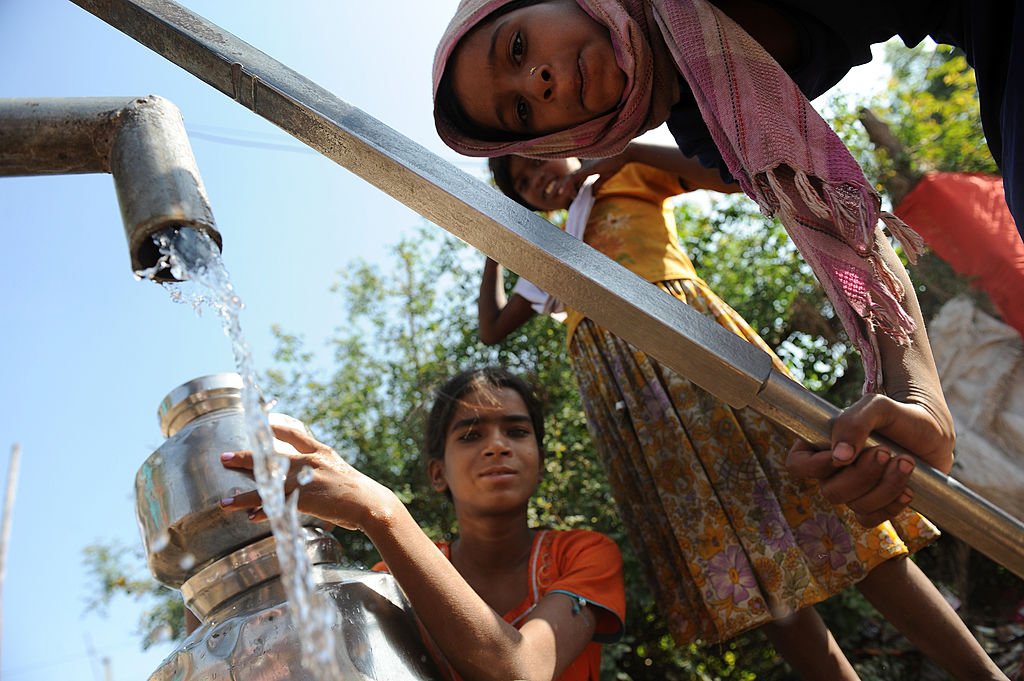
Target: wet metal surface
(249, 632)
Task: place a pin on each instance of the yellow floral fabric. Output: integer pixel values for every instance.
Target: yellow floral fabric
(632, 223)
(728, 540)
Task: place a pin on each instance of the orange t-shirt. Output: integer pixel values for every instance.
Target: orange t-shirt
(585, 565)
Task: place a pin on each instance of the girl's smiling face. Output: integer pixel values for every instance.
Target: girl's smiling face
(536, 70)
(537, 181)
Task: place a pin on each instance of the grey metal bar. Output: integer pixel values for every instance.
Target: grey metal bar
(954, 507)
(625, 304)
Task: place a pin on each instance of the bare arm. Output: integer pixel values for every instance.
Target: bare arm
(498, 317)
(668, 158)
(911, 413)
(477, 642)
(474, 638)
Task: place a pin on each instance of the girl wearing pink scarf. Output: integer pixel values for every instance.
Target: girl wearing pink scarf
(779, 150)
(785, 157)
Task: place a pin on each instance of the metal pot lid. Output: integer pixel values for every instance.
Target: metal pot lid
(197, 397)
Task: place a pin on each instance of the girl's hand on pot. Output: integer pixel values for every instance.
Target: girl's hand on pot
(328, 487)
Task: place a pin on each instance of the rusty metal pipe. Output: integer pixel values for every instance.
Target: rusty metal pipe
(140, 141)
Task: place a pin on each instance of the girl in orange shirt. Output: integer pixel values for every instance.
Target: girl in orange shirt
(503, 600)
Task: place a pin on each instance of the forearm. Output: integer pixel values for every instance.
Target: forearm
(490, 302)
(670, 159)
(911, 412)
(908, 371)
(497, 316)
(475, 640)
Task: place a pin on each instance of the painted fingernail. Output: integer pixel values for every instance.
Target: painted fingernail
(882, 457)
(843, 452)
(227, 501)
(227, 456)
(905, 466)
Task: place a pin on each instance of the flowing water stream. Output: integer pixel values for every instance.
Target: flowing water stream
(192, 256)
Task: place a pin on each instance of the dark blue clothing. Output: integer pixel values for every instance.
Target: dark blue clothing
(834, 37)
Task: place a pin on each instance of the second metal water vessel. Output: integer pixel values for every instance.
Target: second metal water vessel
(227, 569)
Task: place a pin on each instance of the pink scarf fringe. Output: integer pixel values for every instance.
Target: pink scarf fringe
(787, 158)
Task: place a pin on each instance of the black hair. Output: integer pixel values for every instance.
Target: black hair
(448, 105)
(501, 171)
(447, 398)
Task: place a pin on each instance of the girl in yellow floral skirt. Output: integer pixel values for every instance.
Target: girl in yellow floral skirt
(729, 540)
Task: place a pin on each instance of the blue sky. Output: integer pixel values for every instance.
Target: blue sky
(89, 352)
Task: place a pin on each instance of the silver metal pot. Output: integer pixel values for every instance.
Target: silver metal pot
(228, 570)
(178, 488)
(248, 630)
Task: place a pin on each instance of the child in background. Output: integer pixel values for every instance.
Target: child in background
(557, 78)
(728, 539)
(503, 600)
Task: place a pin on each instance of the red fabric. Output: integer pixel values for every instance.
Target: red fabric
(585, 565)
(963, 218)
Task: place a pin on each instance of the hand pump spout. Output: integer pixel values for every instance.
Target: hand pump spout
(140, 141)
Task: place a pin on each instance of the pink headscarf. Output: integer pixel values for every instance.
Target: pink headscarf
(782, 153)
(651, 86)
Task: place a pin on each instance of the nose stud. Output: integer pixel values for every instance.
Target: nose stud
(533, 70)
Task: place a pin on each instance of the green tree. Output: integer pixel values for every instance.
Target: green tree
(752, 265)
(406, 329)
(120, 570)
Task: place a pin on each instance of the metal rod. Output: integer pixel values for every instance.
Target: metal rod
(954, 507)
(668, 330)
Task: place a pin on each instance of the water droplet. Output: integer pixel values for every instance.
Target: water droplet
(159, 634)
(161, 541)
(305, 475)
